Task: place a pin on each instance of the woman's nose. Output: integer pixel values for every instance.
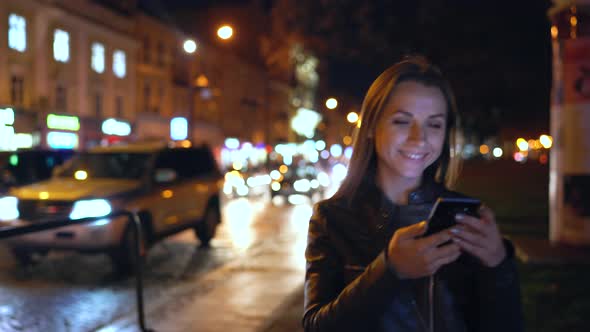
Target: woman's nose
(417, 133)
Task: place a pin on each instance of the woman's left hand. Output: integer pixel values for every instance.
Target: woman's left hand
(480, 237)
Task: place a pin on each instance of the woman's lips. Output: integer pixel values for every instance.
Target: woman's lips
(413, 155)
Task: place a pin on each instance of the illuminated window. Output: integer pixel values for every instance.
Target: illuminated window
(61, 45)
(17, 32)
(97, 60)
(119, 66)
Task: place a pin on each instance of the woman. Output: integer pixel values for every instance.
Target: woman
(368, 267)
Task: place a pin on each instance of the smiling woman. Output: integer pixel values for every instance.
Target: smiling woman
(370, 264)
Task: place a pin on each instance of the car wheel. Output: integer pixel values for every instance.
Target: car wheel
(123, 257)
(206, 227)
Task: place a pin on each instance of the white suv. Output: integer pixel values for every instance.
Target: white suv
(172, 189)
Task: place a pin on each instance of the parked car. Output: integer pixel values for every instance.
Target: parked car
(23, 167)
(171, 189)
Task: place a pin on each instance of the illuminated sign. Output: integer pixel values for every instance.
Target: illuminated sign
(13, 160)
(305, 122)
(6, 116)
(116, 127)
(63, 122)
(232, 143)
(23, 141)
(178, 129)
(60, 140)
(6, 138)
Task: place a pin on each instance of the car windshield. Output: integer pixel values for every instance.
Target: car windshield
(24, 167)
(106, 165)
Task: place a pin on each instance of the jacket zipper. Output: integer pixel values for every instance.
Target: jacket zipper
(427, 327)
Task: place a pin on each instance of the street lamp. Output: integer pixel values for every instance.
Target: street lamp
(352, 117)
(189, 46)
(225, 32)
(331, 103)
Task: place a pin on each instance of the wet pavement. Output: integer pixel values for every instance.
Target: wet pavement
(253, 267)
(244, 295)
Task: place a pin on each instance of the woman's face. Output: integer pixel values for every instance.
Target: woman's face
(410, 132)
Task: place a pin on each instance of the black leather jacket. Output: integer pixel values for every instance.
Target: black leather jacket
(350, 287)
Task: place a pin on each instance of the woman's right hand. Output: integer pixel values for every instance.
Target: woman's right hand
(413, 256)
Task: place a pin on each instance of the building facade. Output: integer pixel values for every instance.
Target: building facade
(72, 59)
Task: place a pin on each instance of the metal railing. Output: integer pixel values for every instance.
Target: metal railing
(7, 232)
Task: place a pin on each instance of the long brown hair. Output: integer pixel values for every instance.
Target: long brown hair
(363, 162)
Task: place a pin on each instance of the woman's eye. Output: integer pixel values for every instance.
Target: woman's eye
(400, 122)
(436, 125)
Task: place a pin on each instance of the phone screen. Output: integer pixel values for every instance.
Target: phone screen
(444, 210)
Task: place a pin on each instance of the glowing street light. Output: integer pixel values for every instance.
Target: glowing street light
(546, 141)
(189, 46)
(522, 144)
(331, 103)
(225, 32)
(352, 117)
(498, 152)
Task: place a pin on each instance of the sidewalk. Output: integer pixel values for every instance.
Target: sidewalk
(251, 294)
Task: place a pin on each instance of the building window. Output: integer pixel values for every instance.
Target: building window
(60, 97)
(119, 107)
(146, 50)
(98, 105)
(119, 65)
(97, 60)
(160, 54)
(17, 90)
(61, 45)
(147, 91)
(17, 32)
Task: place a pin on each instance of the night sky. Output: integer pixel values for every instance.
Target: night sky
(496, 53)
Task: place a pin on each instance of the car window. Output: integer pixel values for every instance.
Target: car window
(201, 162)
(24, 167)
(119, 165)
(187, 163)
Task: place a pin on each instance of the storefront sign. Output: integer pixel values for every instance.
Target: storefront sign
(61, 140)
(116, 127)
(178, 128)
(7, 116)
(63, 122)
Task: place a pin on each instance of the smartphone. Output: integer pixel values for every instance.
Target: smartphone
(442, 215)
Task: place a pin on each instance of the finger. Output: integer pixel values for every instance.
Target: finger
(472, 222)
(438, 263)
(487, 215)
(464, 234)
(412, 231)
(446, 250)
(433, 240)
(470, 248)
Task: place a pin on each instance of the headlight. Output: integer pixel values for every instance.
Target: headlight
(275, 186)
(302, 185)
(8, 208)
(90, 208)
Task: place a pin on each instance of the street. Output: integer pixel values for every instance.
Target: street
(73, 292)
